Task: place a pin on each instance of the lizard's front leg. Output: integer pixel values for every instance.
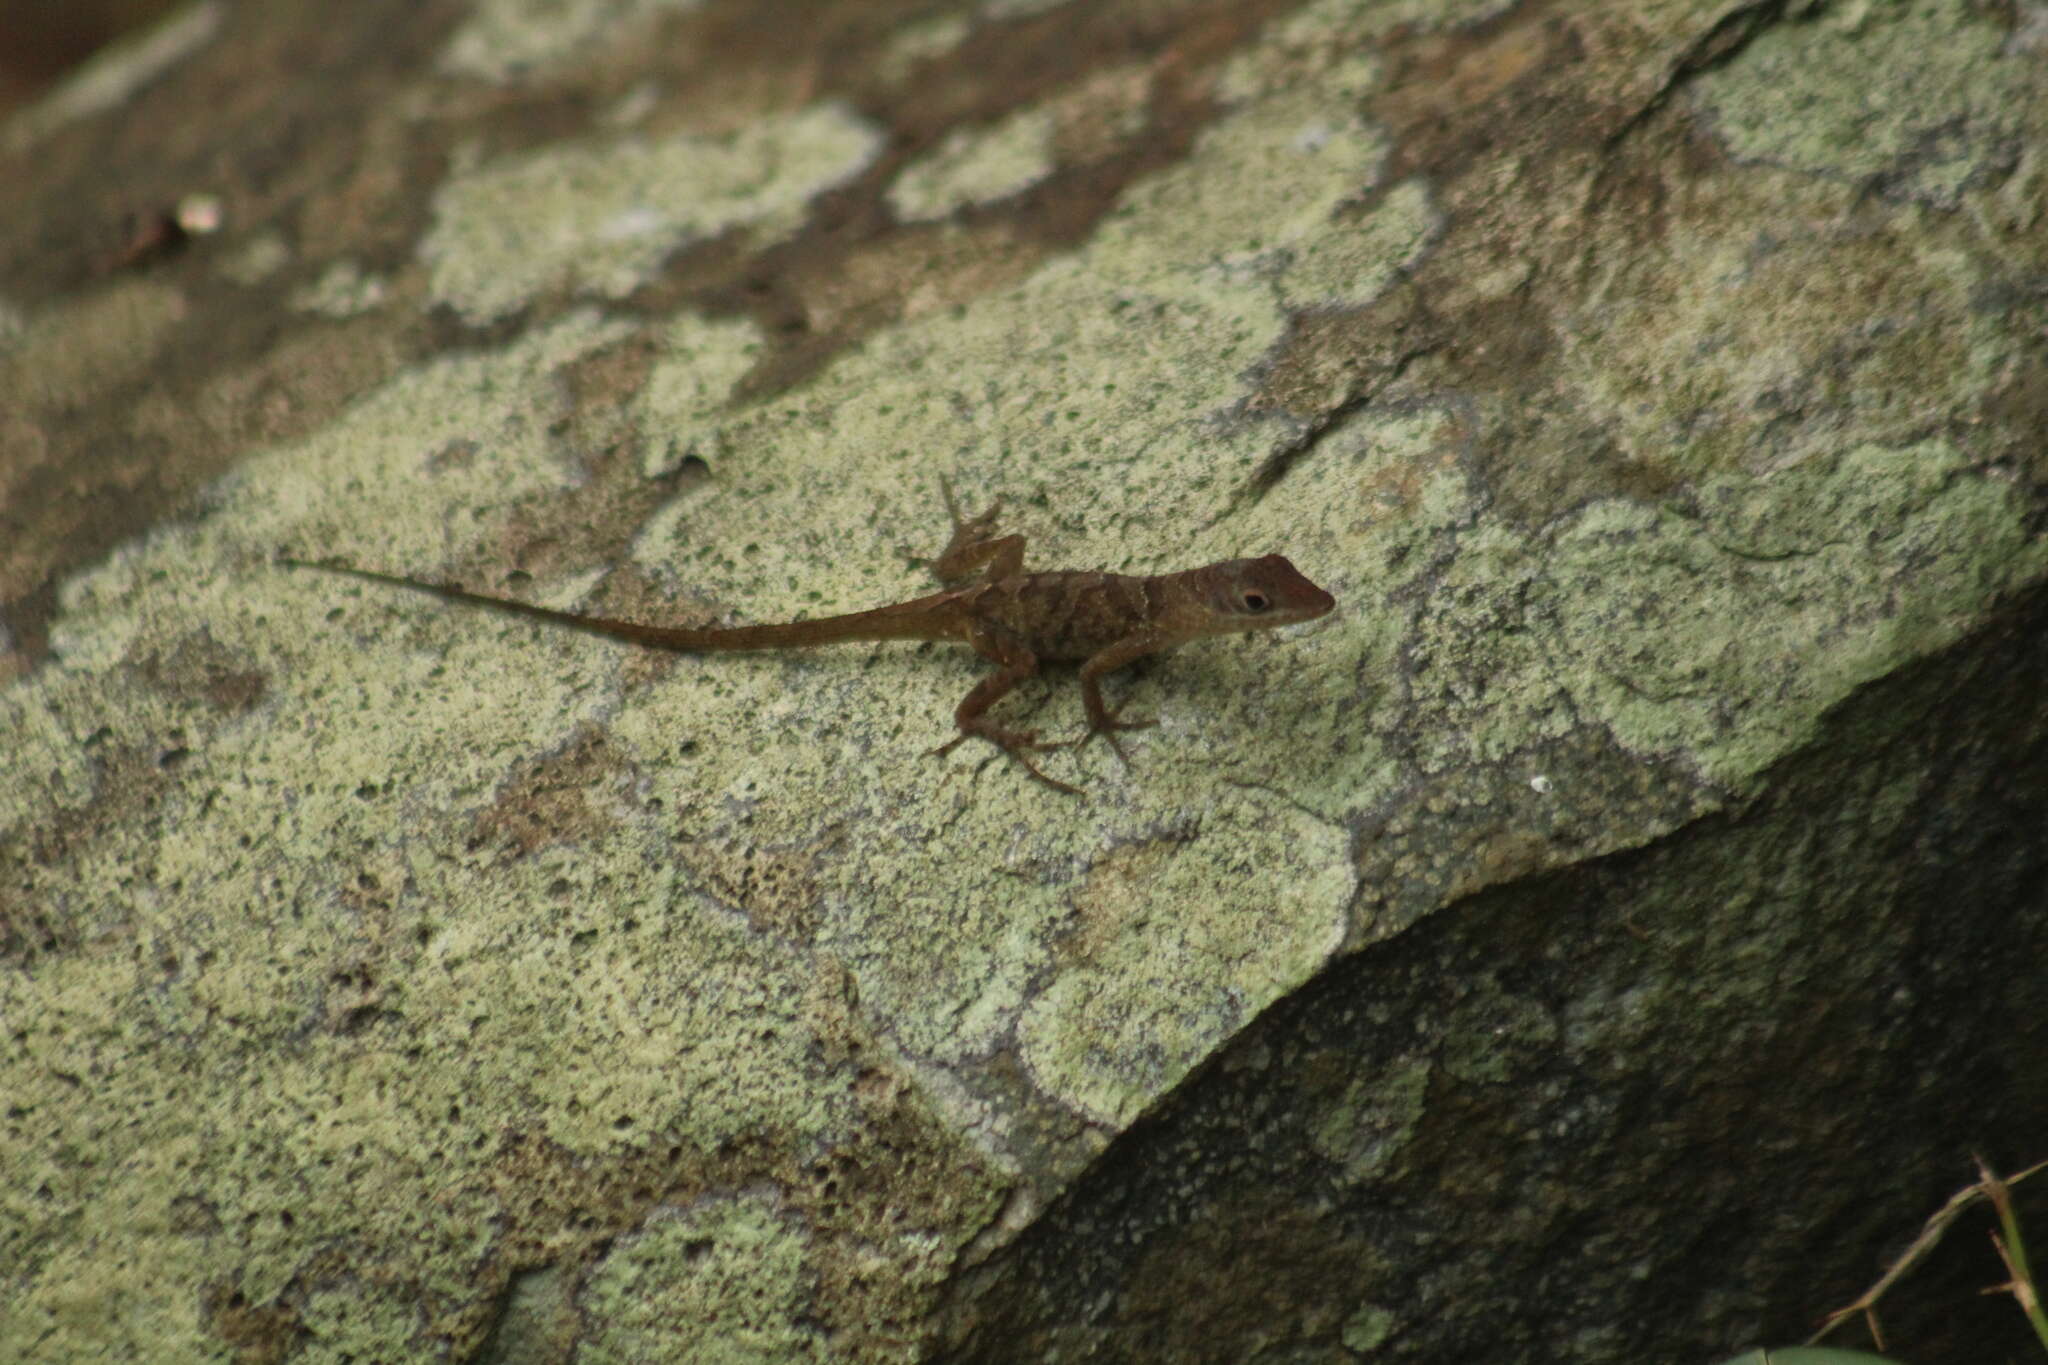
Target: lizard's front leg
(1101, 720)
(1014, 664)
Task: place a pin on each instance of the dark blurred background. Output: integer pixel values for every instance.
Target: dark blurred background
(40, 40)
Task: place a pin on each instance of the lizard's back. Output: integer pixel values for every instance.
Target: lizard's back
(1068, 614)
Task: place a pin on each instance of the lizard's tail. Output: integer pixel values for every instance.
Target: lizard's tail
(920, 619)
(913, 620)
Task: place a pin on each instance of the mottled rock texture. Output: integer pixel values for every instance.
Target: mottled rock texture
(1604, 939)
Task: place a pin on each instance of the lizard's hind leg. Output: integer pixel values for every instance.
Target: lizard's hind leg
(974, 545)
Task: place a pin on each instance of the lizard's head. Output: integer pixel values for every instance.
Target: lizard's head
(1255, 594)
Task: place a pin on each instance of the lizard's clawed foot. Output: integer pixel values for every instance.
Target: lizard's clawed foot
(977, 528)
(1018, 744)
(1108, 727)
(967, 530)
(975, 544)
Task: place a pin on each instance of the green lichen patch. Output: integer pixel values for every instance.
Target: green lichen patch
(1199, 216)
(975, 167)
(920, 41)
(1323, 35)
(1368, 1327)
(699, 363)
(598, 218)
(1801, 96)
(343, 290)
(725, 1281)
(502, 39)
(1731, 631)
(1175, 944)
(1721, 628)
(1350, 270)
(1698, 358)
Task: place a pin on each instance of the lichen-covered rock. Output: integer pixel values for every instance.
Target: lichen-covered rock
(1604, 938)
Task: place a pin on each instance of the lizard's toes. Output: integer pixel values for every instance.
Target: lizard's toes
(1115, 746)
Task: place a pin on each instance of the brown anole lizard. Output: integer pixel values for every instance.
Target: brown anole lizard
(1012, 618)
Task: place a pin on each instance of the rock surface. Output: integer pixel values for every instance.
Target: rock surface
(1606, 938)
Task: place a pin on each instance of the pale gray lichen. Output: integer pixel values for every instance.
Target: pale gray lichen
(1801, 97)
(976, 166)
(723, 1281)
(599, 216)
(501, 40)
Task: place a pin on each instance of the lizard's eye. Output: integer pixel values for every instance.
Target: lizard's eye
(1254, 601)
